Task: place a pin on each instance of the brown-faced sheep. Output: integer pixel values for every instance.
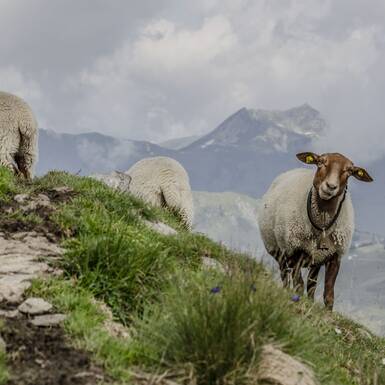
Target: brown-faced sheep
(307, 220)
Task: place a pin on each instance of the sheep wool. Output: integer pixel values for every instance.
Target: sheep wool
(284, 224)
(162, 181)
(18, 135)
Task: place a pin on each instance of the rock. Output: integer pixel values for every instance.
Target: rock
(161, 228)
(63, 190)
(117, 180)
(9, 313)
(278, 368)
(48, 320)
(41, 200)
(212, 264)
(113, 328)
(338, 331)
(20, 262)
(20, 198)
(12, 287)
(35, 306)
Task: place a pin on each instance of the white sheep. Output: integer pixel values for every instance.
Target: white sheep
(18, 135)
(162, 181)
(307, 220)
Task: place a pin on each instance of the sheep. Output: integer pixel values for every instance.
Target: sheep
(307, 220)
(162, 181)
(18, 135)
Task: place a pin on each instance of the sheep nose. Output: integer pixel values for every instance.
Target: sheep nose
(331, 186)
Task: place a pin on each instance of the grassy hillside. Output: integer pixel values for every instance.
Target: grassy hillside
(192, 325)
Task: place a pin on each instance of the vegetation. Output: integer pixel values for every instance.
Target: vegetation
(204, 326)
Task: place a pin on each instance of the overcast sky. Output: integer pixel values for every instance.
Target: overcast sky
(168, 68)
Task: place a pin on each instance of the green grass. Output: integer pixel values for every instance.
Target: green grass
(221, 334)
(154, 285)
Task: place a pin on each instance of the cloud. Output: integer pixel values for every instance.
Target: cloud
(145, 80)
(14, 81)
(158, 69)
(105, 158)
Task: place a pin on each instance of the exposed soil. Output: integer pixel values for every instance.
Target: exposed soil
(41, 356)
(48, 227)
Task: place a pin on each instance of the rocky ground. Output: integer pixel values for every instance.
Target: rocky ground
(36, 347)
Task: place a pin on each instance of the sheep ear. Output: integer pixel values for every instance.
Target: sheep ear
(361, 174)
(308, 157)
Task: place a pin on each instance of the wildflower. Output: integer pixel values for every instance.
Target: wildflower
(215, 290)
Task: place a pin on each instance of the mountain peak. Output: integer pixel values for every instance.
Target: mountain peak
(266, 130)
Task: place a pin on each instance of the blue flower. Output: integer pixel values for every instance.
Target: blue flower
(295, 298)
(215, 290)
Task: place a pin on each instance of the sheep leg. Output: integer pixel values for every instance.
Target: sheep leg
(285, 277)
(25, 158)
(7, 160)
(331, 271)
(312, 281)
(298, 283)
(283, 267)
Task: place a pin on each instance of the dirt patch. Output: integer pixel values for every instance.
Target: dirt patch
(41, 356)
(60, 194)
(41, 205)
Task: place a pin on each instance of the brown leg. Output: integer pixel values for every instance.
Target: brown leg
(298, 283)
(283, 268)
(331, 271)
(312, 281)
(285, 277)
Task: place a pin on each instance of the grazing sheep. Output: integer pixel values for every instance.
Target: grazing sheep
(307, 220)
(18, 135)
(163, 181)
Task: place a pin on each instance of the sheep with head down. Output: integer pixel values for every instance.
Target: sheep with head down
(163, 182)
(307, 220)
(18, 135)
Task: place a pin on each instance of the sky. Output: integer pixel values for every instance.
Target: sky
(161, 69)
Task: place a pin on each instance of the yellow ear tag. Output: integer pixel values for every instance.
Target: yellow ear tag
(309, 159)
(360, 173)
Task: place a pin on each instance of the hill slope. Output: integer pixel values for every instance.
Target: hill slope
(187, 323)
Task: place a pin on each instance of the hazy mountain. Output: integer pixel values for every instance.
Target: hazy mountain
(91, 152)
(251, 147)
(179, 143)
(265, 131)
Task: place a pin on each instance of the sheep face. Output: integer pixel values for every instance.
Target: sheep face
(333, 172)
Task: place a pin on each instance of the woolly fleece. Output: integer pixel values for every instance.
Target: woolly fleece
(285, 226)
(162, 181)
